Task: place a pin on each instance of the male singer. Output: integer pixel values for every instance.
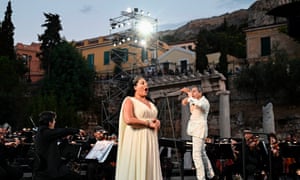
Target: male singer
(197, 128)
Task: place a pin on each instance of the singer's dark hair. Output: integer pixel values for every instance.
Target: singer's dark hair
(133, 82)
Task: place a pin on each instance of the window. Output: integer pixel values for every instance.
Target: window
(90, 60)
(166, 66)
(183, 65)
(106, 57)
(144, 54)
(119, 55)
(265, 46)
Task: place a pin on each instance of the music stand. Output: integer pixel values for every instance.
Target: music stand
(223, 151)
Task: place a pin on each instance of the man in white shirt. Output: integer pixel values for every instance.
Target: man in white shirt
(198, 129)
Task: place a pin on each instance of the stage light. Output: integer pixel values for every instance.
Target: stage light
(145, 28)
(129, 10)
(133, 24)
(143, 42)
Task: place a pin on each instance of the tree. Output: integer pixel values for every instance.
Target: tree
(70, 78)
(250, 81)
(292, 85)
(6, 35)
(50, 39)
(12, 92)
(224, 39)
(202, 47)
(278, 78)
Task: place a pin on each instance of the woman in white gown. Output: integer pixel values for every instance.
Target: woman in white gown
(138, 151)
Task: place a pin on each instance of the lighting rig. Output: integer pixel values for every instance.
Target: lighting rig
(133, 26)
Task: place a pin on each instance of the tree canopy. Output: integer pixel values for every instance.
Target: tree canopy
(70, 78)
(224, 39)
(12, 91)
(50, 39)
(278, 77)
(67, 86)
(6, 35)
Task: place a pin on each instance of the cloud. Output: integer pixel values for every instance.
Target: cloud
(86, 9)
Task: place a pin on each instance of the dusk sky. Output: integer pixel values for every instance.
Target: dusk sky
(84, 19)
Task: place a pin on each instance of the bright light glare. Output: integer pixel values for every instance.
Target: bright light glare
(129, 10)
(145, 28)
(143, 42)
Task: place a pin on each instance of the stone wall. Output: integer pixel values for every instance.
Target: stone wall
(246, 112)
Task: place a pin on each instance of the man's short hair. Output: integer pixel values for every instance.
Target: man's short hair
(98, 129)
(198, 87)
(45, 117)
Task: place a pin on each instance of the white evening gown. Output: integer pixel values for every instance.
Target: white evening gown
(138, 150)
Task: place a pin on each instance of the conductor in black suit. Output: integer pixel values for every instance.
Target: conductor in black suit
(50, 164)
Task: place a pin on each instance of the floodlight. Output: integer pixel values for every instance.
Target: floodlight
(144, 28)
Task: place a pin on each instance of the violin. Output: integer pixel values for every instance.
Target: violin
(275, 149)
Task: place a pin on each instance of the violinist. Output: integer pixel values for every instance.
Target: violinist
(255, 156)
(92, 165)
(276, 160)
(7, 149)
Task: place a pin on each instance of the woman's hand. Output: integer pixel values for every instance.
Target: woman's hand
(154, 124)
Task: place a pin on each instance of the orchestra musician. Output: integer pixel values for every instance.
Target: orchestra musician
(255, 155)
(225, 161)
(92, 164)
(7, 151)
(292, 156)
(276, 160)
(50, 165)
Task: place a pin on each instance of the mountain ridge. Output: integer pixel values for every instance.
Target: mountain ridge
(190, 30)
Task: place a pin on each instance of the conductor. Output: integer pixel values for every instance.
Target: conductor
(50, 166)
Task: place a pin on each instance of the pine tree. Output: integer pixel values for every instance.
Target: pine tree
(201, 51)
(6, 35)
(50, 39)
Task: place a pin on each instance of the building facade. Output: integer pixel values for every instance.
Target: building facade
(105, 57)
(28, 54)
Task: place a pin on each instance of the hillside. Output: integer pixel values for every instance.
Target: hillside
(191, 29)
(254, 16)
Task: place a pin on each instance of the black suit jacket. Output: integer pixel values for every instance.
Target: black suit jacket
(47, 150)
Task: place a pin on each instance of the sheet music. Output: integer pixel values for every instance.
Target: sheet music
(100, 151)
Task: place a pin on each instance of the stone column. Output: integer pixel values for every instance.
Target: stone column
(268, 118)
(224, 114)
(185, 116)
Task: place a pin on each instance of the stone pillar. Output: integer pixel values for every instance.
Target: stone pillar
(224, 114)
(268, 118)
(185, 116)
